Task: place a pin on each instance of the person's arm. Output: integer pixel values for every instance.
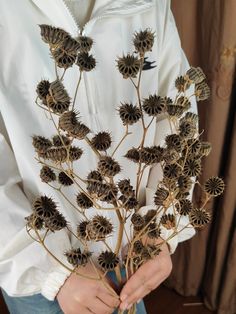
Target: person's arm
(25, 267)
(172, 63)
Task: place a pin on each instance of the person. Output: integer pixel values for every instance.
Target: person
(31, 281)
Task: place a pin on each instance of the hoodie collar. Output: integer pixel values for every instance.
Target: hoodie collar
(58, 13)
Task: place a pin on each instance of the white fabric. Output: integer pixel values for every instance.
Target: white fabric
(80, 9)
(25, 267)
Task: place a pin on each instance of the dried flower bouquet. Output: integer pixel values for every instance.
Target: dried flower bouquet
(180, 160)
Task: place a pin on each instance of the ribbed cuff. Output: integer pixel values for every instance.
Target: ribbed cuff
(54, 281)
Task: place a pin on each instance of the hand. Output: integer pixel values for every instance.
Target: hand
(82, 295)
(147, 278)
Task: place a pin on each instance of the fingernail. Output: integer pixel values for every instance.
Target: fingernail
(139, 300)
(123, 297)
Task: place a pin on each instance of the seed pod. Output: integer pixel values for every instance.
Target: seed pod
(128, 66)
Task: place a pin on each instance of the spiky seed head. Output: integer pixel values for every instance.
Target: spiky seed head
(34, 222)
(202, 91)
(128, 66)
(47, 174)
(129, 113)
(182, 84)
(196, 75)
(172, 171)
(64, 179)
(184, 207)
(83, 201)
(214, 186)
(101, 141)
(108, 260)
(42, 89)
(192, 168)
(51, 35)
(45, 207)
(78, 258)
(133, 154)
(154, 105)
(160, 196)
(108, 167)
(56, 222)
(85, 43)
(61, 140)
(168, 221)
(143, 41)
(199, 217)
(41, 143)
(151, 155)
(85, 62)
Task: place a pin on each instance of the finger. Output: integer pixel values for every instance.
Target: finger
(96, 306)
(144, 290)
(109, 300)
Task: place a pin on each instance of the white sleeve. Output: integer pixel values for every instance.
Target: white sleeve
(25, 267)
(172, 63)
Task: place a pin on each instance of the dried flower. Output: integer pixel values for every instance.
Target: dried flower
(196, 75)
(182, 84)
(129, 113)
(187, 129)
(184, 102)
(205, 148)
(52, 35)
(56, 154)
(137, 221)
(85, 62)
(125, 187)
(214, 186)
(58, 99)
(192, 167)
(191, 117)
(175, 110)
(75, 153)
(184, 183)
(129, 202)
(82, 230)
(202, 91)
(34, 222)
(153, 232)
(56, 222)
(85, 43)
(160, 196)
(100, 226)
(41, 143)
(199, 217)
(151, 155)
(170, 156)
(61, 140)
(45, 207)
(168, 221)
(108, 260)
(83, 201)
(174, 141)
(138, 247)
(94, 175)
(194, 146)
(43, 89)
(70, 45)
(128, 66)
(63, 58)
(101, 141)
(172, 171)
(78, 258)
(143, 41)
(184, 207)
(133, 154)
(108, 166)
(98, 189)
(154, 105)
(47, 174)
(64, 179)
(150, 216)
(110, 197)
(68, 122)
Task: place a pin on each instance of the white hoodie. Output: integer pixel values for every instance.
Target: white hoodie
(25, 267)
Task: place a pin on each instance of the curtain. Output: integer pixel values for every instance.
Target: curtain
(206, 264)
